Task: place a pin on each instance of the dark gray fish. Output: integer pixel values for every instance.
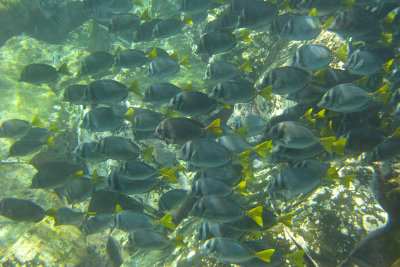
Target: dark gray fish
(161, 93)
(323, 7)
(123, 184)
(291, 134)
(21, 210)
(232, 251)
(192, 103)
(163, 66)
(215, 43)
(130, 58)
(298, 154)
(101, 119)
(357, 23)
(297, 27)
(167, 28)
(129, 221)
(333, 77)
(24, 147)
(148, 240)
(67, 216)
(96, 63)
(88, 151)
(75, 94)
(255, 125)
(319, 167)
(312, 57)
(256, 14)
(144, 32)
(41, 73)
(103, 202)
(38, 134)
(221, 71)
(96, 224)
(285, 80)
(211, 187)
(205, 153)
(114, 251)
(233, 92)
(179, 130)
(363, 63)
(295, 181)
(144, 120)
(346, 98)
(172, 199)
(363, 139)
(138, 170)
(384, 151)
(246, 224)
(129, 203)
(105, 92)
(233, 143)
(124, 22)
(78, 190)
(230, 175)
(309, 94)
(14, 128)
(227, 21)
(118, 148)
(209, 230)
(159, 52)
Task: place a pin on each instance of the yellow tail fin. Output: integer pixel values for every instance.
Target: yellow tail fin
(285, 5)
(50, 141)
(384, 94)
(341, 53)
(147, 153)
(327, 142)
(243, 159)
(129, 115)
(153, 53)
(188, 19)
(328, 23)
(246, 66)
(387, 65)
(286, 219)
(96, 178)
(242, 188)
(167, 221)
(54, 128)
(225, 105)
(175, 55)
(338, 146)
(396, 133)
(249, 175)
(185, 62)
(319, 76)
(327, 131)
(256, 215)
(266, 92)
(36, 121)
(178, 241)
(264, 148)
(313, 13)
(241, 132)
(321, 114)
(189, 86)
(117, 50)
(214, 127)
(118, 208)
(265, 255)
(145, 15)
(169, 174)
(348, 4)
(134, 88)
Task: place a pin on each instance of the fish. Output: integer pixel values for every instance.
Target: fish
(161, 93)
(129, 221)
(296, 27)
(166, 66)
(96, 63)
(124, 21)
(222, 71)
(346, 98)
(107, 92)
(127, 202)
(180, 130)
(172, 199)
(75, 94)
(96, 224)
(363, 139)
(89, 152)
(195, 6)
(21, 210)
(232, 251)
(385, 150)
(24, 147)
(209, 230)
(101, 119)
(230, 175)
(79, 190)
(144, 32)
(216, 42)
(152, 240)
(14, 128)
(130, 58)
(138, 170)
(236, 91)
(192, 103)
(309, 94)
(312, 57)
(285, 80)
(144, 119)
(118, 148)
(114, 251)
(40, 73)
(66, 216)
(167, 27)
(126, 185)
(223, 209)
(257, 14)
(291, 134)
(254, 124)
(363, 63)
(211, 187)
(103, 201)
